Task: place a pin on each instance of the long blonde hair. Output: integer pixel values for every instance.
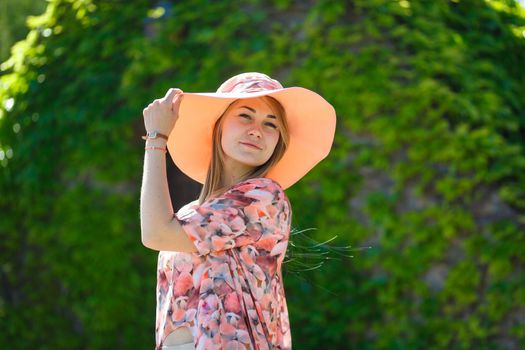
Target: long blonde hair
(212, 185)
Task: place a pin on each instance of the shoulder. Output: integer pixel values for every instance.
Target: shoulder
(186, 209)
(258, 184)
(262, 189)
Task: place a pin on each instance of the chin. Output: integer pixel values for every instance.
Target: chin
(250, 161)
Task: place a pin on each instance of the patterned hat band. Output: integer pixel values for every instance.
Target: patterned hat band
(249, 83)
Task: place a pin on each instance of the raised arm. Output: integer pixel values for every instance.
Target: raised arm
(159, 231)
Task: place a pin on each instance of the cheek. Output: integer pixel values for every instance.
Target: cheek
(274, 138)
(225, 140)
(228, 132)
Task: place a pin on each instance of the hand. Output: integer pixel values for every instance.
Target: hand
(161, 114)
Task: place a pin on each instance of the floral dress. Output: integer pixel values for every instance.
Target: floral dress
(230, 293)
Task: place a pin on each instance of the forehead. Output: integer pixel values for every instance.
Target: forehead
(257, 103)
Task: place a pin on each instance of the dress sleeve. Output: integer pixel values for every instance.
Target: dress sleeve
(248, 211)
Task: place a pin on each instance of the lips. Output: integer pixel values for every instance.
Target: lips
(251, 144)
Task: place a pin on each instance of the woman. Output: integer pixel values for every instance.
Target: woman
(219, 275)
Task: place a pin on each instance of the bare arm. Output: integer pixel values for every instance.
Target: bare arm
(159, 229)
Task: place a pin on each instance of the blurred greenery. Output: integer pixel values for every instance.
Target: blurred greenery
(13, 16)
(427, 168)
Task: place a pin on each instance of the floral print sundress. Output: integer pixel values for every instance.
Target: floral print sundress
(230, 293)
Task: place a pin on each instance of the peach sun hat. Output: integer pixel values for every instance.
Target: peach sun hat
(311, 125)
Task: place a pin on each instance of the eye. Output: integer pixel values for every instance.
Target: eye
(271, 124)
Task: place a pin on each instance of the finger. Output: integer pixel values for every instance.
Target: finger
(177, 92)
(168, 99)
(171, 93)
(178, 96)
(177, 100)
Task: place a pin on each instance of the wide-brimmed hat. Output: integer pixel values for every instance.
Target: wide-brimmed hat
(311, 124)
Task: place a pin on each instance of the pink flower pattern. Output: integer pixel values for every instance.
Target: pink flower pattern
(230, 293)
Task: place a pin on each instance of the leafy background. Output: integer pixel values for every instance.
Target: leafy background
(427, 168)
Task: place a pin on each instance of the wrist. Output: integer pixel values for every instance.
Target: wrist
(156, 143)
(154, 134)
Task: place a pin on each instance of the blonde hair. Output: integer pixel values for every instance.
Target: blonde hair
(212, 186)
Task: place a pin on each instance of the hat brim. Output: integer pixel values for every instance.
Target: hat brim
(311, 121)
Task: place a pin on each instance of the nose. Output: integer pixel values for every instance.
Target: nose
(255, 132)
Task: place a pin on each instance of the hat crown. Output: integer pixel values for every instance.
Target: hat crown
(249, 82)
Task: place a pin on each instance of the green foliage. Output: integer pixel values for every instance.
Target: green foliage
(13, 16)
(427, 166)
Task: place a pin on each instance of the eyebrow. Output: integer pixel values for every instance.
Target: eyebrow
(253, 110)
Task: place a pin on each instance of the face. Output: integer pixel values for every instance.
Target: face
(248, 121)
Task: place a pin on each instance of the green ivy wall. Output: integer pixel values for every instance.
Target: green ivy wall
(427, 168)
